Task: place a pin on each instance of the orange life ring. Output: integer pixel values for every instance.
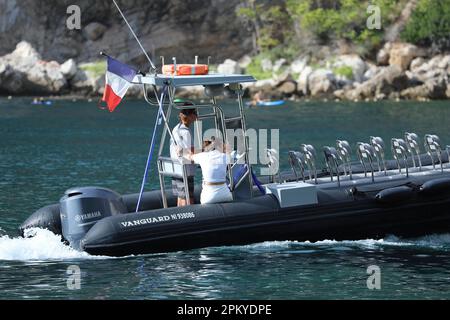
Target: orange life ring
(185, 69)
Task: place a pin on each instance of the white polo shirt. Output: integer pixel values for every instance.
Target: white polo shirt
(183, 138)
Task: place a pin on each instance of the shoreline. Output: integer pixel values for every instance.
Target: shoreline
(402, 72)
(75, 98)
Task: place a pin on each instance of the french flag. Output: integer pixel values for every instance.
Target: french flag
(118, 79)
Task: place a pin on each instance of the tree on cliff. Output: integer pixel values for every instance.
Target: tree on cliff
(430, 24)
(288, 23)
(269, 22)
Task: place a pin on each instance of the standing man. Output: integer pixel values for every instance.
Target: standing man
(184, 145)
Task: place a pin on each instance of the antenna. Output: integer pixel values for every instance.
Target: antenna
(134, 34)
(174, 65)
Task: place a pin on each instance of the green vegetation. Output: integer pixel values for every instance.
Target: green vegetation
(285, 27)
(97, 68)
(344, 71)
(290, 28)
(344, 19)
(213, 68)
(256, 69)
(270, 23)
(429, 23)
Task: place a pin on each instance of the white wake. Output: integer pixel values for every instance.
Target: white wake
(436, 241)
(43, 246)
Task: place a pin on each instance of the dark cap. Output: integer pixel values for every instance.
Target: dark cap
(188, 112)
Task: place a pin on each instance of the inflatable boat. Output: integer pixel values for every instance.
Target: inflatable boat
(274, 103)
(370, 197)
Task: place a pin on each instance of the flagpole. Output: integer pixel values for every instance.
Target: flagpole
(134, 34)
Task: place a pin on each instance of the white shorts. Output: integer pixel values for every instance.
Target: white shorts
(215, 194)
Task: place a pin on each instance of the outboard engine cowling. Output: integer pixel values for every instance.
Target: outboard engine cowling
(81, 208)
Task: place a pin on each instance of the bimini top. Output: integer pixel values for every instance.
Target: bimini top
(186, 81)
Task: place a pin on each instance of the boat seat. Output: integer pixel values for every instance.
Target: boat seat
(433, 146)
(412, 142)
(298, 163)
(366, 154)
(331, 160)
(345, 155)
(310, 155)
(400, 152)
(378, 146)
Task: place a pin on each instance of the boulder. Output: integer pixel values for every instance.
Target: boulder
(381, 85)
(437, 62)
(24, 50)
(44, 77)
(11, 80)
(394, 95)
(23, 57)
(302, 83)
(430, 69)
(266, 65)
(321, 81)
(278, 64)
(354, 62)
(287, 88)
(244, 62)
(436, 88)
(444, 63)
(371, 71)
(264, 85)
(415, 93)
(69, 68)
(383, 55)
(283, 77)
(299, 64)
(229, 67)
(416, 64)
(86, 82)
(401, 55)
(339, 94)
(29, 74)
(94, 31)
(342, 81)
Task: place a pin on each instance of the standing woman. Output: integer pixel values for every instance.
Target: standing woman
(214, 162)
(184, 144)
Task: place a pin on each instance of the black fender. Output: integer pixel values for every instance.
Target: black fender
(395, 195)
(436, 186)
(45, 218)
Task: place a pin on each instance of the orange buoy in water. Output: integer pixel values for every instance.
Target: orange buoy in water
(185, 69)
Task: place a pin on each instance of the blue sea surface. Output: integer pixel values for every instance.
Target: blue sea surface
(45, 150)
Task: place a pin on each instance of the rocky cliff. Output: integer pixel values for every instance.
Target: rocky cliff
(181, 28)
(34, 43)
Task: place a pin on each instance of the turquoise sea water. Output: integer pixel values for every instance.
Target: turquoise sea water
(45, 150)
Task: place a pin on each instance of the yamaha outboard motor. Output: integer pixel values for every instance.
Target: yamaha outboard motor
(81, 208)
